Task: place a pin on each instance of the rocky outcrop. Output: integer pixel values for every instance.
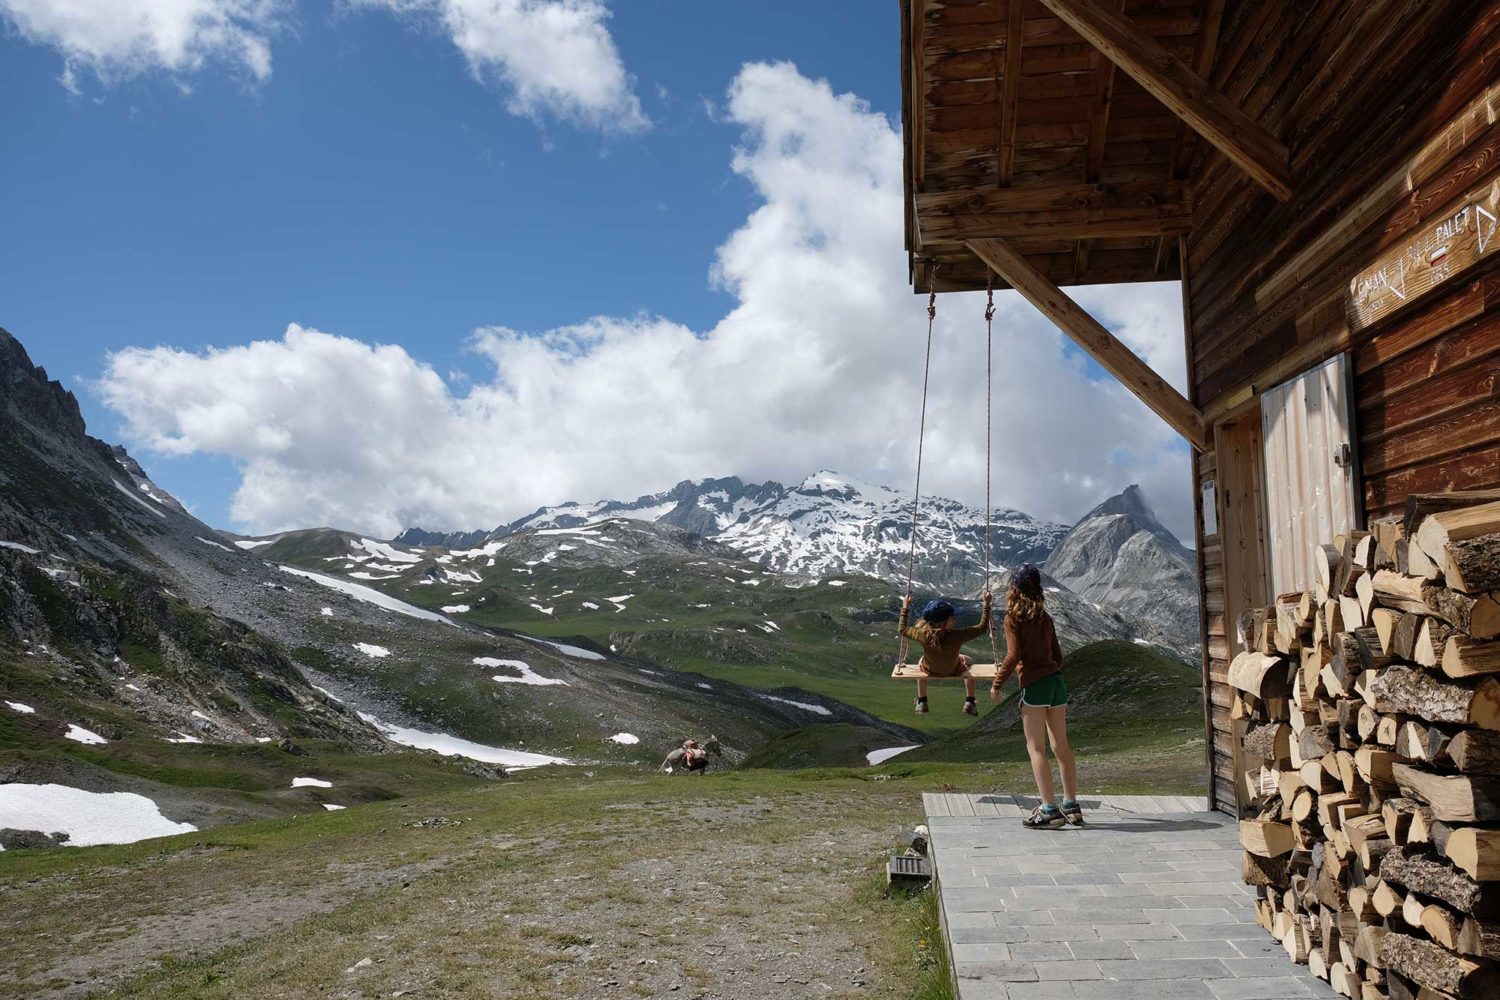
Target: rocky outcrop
(1120, 557)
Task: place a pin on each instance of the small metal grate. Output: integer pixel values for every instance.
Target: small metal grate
(908, 868)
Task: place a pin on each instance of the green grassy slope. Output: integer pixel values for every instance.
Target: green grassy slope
(693, 606)
(1123, 697)
(836, 745)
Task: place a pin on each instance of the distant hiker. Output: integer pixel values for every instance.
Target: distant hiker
(691, 756)
(1032, 652)
(941, 644)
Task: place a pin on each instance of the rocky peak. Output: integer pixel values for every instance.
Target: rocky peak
(31, 396)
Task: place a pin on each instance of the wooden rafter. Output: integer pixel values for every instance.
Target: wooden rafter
(1182, 146)
(1093, 163)
(1062, 211)
(1101, 345)
(1010, 91)
(1185, 93)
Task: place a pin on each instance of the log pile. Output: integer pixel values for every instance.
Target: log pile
(1368, 716)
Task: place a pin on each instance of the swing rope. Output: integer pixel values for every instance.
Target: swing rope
(989, 381)
(916, 499)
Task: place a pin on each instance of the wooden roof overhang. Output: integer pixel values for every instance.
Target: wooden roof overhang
(1049, 143)
(1066, 127)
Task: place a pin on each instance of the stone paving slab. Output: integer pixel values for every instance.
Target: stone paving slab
(1145, 902)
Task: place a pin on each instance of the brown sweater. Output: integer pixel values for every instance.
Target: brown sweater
(940, 650)
(1031, 649)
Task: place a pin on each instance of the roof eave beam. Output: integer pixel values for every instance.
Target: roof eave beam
(1186, 94)
(1090, 335)
(1062, 211)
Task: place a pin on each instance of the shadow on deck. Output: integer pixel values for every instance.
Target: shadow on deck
(1143, 903)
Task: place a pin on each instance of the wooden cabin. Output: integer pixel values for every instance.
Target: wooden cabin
(1322, 178)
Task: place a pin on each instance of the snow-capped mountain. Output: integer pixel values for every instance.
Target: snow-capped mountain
(1121, 558)
(826, 525)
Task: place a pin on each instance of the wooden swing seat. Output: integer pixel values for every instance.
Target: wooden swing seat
(976, 671)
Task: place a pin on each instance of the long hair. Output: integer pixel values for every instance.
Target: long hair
(1025, 604)
(925, 632)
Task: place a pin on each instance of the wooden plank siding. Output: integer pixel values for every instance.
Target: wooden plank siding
(1391, 114)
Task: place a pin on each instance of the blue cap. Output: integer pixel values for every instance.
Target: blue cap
(937, 612)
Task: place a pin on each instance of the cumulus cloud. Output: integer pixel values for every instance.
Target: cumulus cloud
(116, 39)
(818, 365)
(554, 57)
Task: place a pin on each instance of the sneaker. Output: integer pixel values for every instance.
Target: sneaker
(970, 708)
(1044, 817)
(921, 704)
(1072, 812)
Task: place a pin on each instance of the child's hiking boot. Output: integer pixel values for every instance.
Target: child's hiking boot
(921, 704)
(1072, 812)
(1044, 817)
(970, 708)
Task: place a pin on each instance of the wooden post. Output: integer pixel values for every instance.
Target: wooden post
(1101, 345)
(1186, 94)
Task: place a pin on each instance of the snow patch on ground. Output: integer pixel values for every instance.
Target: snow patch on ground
(80, 735)
(216, 545)
(627, 739)
(545, 611)
(248, 543)
(591, 605)
(806, 706)
(16, 706)
(387, 552)
(528, 676)
(455, 609)
(87, 818)
(577, 652)
(311, 783)
(453, 746)
(331, 807)
(185, 738)
(370, 596)
(880, 756)
(326, 612)
(706, 687)
(362, 575)
(136, 498)
(17, 546)
(372, 650)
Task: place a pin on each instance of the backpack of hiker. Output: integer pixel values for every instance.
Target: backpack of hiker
(1032, 653)
(691, 757)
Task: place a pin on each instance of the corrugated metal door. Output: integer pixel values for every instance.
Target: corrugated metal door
(1308, 428)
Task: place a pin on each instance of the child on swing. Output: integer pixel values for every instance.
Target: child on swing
(1032, 652)
(941, 644)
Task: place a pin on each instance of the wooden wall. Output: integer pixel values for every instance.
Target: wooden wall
(1389, 110)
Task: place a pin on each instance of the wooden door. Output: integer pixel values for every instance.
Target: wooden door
(1308, 428)
(1242, 533)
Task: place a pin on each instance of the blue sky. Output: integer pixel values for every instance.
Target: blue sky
(372, 183)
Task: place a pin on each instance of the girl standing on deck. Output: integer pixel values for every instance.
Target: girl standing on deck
(1032, 652)
(941, 643)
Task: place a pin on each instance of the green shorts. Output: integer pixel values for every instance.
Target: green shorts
(1049, 692)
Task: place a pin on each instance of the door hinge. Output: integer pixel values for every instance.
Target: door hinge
(1343, 456)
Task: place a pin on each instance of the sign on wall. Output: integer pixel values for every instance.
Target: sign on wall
(1441, 249)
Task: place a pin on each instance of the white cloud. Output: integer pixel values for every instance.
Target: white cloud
(818, 365)
(553, 56)
(123, 38)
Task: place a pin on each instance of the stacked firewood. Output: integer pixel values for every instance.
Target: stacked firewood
(1368, 711)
